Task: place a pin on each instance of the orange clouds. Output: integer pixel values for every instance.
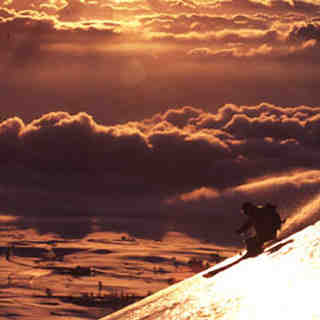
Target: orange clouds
(185, 160)
(91, 28)
(236, 52)
(174, 53)
(302, 33)
(76, 9)
(181, 148)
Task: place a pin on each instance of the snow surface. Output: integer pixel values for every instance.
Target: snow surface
(282, 283)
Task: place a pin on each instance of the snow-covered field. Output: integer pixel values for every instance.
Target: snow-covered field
(40, 278)
(282, 283)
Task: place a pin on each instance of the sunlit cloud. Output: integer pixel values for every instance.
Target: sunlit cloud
(202, 149)
(165, 34)
(152, 55)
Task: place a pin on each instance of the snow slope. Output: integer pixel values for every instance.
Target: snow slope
(281, 283)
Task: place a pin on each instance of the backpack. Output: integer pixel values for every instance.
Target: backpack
(272, 213)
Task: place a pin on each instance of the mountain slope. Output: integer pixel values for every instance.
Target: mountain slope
(281, 283)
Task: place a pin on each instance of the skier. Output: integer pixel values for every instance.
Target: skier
(266, 222)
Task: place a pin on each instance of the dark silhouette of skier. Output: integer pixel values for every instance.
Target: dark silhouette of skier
(8, 253)
(266, 222)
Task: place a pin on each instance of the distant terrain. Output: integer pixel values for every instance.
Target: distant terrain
(49, 277)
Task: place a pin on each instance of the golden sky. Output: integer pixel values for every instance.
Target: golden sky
(124, 60)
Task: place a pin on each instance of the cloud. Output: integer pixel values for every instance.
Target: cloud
(269, 7)
(73, 9)
(59, 140)
(6, 13)
(41, 6)
(30, 37)
(182, 161)
(184, 23)
(236, 6)
(76, 10)
(236, 52)
(173, 6)
(303, 33)
(178, 150)
(221, 39)
(40, 36)
(9, 141)
(179, 117)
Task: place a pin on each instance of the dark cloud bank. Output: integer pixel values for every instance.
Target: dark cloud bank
(162, 149)
(183, 164)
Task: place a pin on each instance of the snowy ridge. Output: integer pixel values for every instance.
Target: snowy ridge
(281, 283)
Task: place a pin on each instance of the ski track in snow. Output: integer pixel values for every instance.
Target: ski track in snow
(280, 284)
